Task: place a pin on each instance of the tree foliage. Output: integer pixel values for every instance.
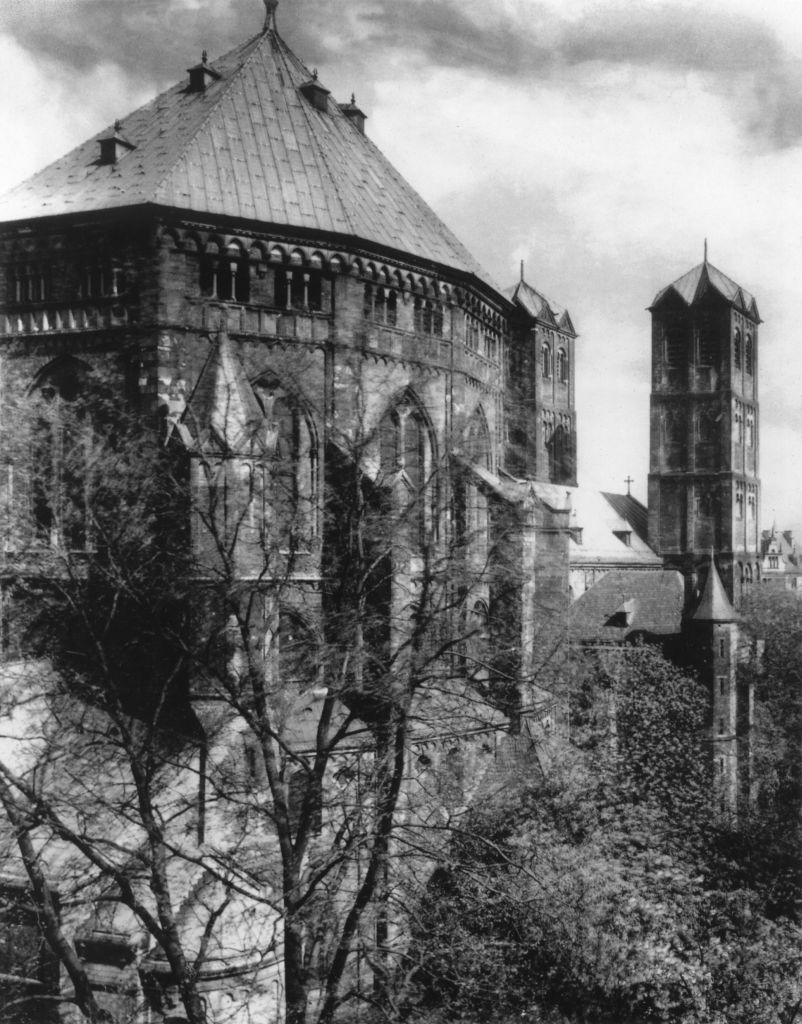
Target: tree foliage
(600, 892)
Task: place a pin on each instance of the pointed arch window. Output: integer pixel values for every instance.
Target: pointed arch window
(737, 343)
(407, 463)
(284, 503)
(60, 450)
(750, 355)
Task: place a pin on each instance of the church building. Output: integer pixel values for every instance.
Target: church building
(368, 426)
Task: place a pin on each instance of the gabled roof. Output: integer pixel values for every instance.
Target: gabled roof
(599, 526)
(714, 606)
(623, 602)
(249, 146)
(692, 286)
(539, 307)
(222, 409)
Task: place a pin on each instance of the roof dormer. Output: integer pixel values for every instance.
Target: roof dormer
(113, 147)
(201, 75)
(317, 94)
(356, 116)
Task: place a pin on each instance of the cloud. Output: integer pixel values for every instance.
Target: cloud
(739, 57)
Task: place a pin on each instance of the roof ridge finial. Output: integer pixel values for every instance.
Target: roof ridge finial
(522, 270)
(270, 15)
(705, 251)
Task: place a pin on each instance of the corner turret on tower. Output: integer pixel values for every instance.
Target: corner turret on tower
(716, 638)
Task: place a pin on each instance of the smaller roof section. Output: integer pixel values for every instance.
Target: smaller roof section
(691, 288)
(715, 606)
(223, 409)
(539, 307)
(627, 603)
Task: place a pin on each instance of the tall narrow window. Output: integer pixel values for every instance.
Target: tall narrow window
(750, 355)
(736, 348)
(545, 361)
(287, 498)
(60, 456)
(562, 366)
(674, 340)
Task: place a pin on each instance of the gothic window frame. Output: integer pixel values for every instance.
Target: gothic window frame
(56, 489)
(749, 354)
(736, 347)
(410, 481)
(288, 459)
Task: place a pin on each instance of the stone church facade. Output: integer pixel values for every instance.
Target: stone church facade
(239, 263)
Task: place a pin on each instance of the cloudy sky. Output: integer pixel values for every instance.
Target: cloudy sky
(600, 142)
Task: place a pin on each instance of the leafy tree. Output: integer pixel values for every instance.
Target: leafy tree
(598, 893)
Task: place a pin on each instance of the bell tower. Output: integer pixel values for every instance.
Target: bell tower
(704, 490)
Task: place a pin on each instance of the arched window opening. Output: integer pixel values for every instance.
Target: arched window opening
(299, 289)
(380, 304)
(562, 366)
(406, 457)
(674, 341)
(545, 361)
(736, 348)
(226, 276)
(477, 440)
(60, 449)
(428, 317)
(283, 507)
(750, 355)
(707, 343)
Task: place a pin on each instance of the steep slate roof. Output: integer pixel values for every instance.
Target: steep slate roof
(251, 147)
(539, 307)
(599, 518)
(624, 602)
(634, 511)
(692, 286)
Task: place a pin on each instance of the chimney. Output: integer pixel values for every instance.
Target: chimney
(113, 147)
(201, 75)
(356, 116)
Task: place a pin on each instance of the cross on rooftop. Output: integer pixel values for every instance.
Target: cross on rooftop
(629, 482)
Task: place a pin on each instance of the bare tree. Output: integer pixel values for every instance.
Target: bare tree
(227, 658)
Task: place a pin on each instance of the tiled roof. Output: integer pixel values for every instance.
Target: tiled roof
(539, 307)
(252, 147)
(694, 284)
(625, 602)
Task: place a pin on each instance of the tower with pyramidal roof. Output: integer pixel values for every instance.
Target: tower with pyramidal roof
(704, 486)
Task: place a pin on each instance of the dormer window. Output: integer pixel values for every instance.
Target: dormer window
(316, 94)
(201, 75)
(354, 114)
(115, 146)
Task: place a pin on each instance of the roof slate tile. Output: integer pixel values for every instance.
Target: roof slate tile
(249, 146)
